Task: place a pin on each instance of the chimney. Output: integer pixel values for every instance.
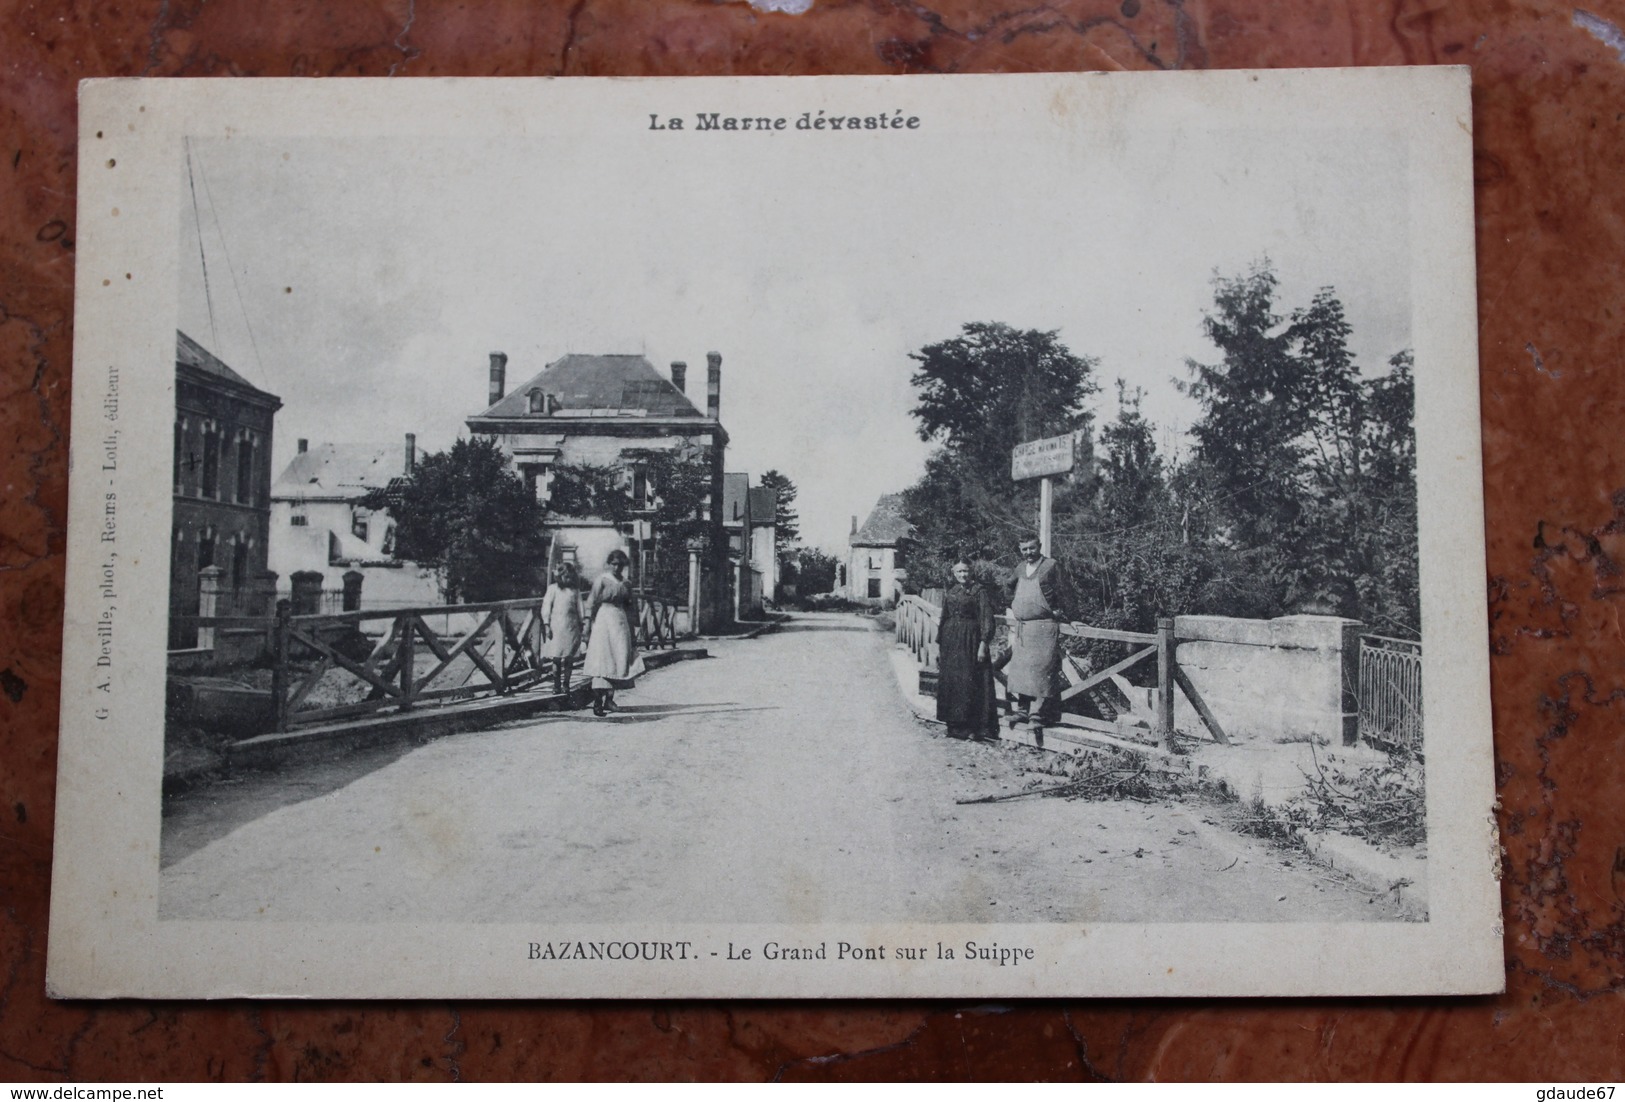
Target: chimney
(304, 445)
(854, 526)
(411, 453)
(499, 377)
(679, 375)
(713, 385)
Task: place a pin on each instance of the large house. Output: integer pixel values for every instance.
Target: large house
(874, 566)
(321, 523)
(222, 495)
(613, 410)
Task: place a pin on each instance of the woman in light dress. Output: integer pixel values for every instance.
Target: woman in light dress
(561, 623)
(612, 610)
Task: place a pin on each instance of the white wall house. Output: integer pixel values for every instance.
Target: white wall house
(874, 568)
(319, 523)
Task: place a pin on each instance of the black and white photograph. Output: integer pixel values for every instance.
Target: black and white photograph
(777, 537)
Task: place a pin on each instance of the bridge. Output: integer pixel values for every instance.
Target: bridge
(782, 779)
(1316, 677)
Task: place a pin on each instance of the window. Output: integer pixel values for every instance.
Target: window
(646, 574)
(298, 520)
(640, 488)
(191, 458)
(205, 550)
(538, 401)
(180, 452)
(874, 587)
(211, 464)
(358, 527)
(239, 563)
(245, 470)
(535, 476)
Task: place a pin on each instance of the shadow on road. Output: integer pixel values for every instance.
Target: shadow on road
(822, 625)
(643, 713)
(194, 819)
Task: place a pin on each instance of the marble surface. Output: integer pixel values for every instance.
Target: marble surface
(1549, 100)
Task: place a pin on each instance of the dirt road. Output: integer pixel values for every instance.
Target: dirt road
(781, 780)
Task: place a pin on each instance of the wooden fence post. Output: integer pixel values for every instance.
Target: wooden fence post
(408, 628)
(279, 665)
(1165, 680)
(501, 625)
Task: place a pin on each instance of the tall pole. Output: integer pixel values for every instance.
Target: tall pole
(693, 589)
(1046, 503)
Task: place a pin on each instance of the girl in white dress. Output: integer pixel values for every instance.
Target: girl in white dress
(561, 621)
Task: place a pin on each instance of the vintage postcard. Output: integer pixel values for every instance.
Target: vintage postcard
(976, 536)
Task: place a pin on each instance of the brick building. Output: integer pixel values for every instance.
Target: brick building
(222, 492)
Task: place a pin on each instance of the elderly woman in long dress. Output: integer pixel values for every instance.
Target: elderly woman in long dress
(965, 700)
(561, 623)
(612, 608)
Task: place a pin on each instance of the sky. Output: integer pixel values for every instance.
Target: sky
(365, 282)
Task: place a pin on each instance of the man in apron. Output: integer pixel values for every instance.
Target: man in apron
(1040, 604)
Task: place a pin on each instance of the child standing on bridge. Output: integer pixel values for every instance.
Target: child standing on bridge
(561, 620)
(611, 609)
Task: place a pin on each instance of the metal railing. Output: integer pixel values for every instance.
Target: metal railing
(1390, 693)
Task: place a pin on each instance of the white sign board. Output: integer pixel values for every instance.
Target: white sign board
(1051, 455)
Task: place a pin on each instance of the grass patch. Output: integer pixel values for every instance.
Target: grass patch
(1384, 803)
(1096, 775)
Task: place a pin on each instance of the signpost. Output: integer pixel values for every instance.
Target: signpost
(1045, 459)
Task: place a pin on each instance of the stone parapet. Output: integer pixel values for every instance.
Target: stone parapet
(1291, 677)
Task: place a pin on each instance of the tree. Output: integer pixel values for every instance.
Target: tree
(815, 572)
(993, 387)
(980, 394)
(1304, 466)
(1255, 409)
(786, 524)
(1132, 476)
(463, 514)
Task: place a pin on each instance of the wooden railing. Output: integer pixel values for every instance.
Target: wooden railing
(917, 628)
(657, 622)
(917, 621)
(489, 649)
(334, 666)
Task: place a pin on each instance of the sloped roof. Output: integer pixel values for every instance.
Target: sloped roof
(885, 525)
(341, 471)
(583, 382)
(764, 504)
(193, 354)
(735, 498)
